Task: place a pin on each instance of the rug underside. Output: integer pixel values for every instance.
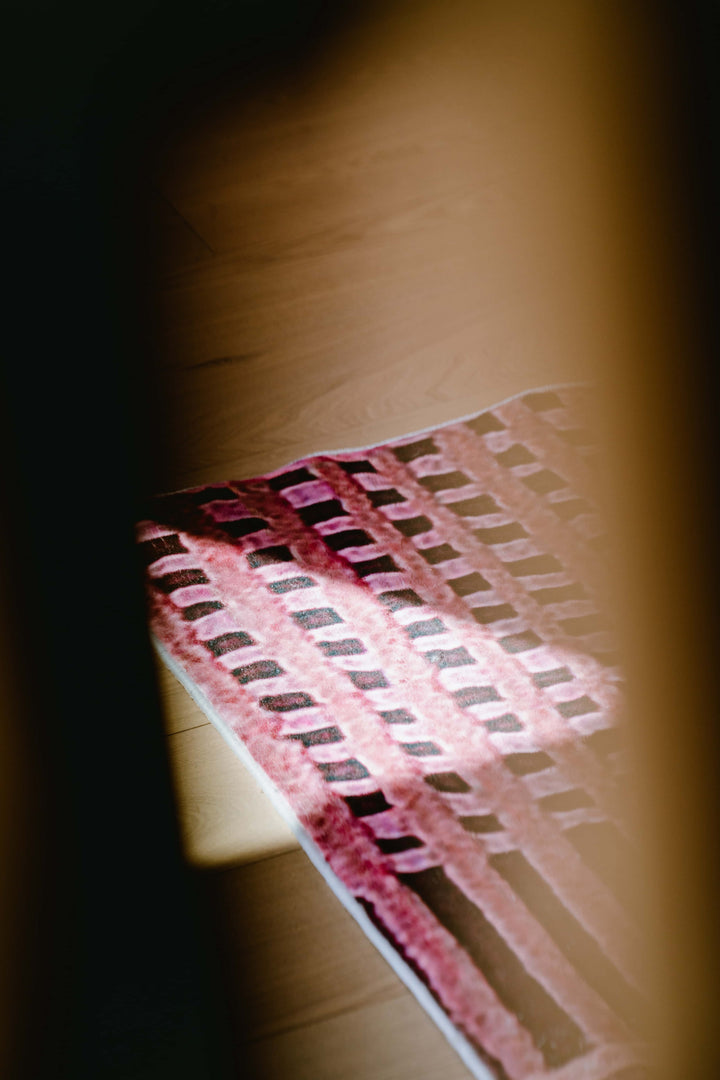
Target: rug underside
(406, 642)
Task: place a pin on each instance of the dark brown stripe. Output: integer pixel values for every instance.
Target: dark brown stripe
(180, 579)
(243, 526)
(226, 643)
(261, 669)
(152, 550)
(321, 511)
(414, 526)
(200, 610)
(484, 424)
(339, 771)
(411, 451)
(556, 1035)
(572, 939)
(444, 481)
(266, 556)
(291, 479)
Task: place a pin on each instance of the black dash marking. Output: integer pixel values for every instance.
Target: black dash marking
(366, 805)
(368, 680)
(469, 583)
(200, 610)
(180, 579)
(411, 451)
(383, 564)
(475, 695)
(522, 642)
(493, 613)
(291, 479)
(296, 699)
(319, 737)
(535, 564)
(261, 669)
(559, 594)
(481, 823)
(507, 723)
(517, 454)
(522, 764)
(544, 481)
(483, 425)
(421, 749)
(425, 628)
(501, 534)
(347, 647)
(321, 511)
(352, 467)
(338, 771)
(396, 599)
(577, 707)
(449, 782)
(242, 526)
(266, 556)
(290, 584)
(348, 538)
(552, 678)
(447, 658)
(575, 799)
(477, 507)
(152, 550)
(445, 481)
(385, 497)
(226, 643)
(542, 400)
(393, 845)
(398, 716)
(316, 617)
(439, 554)
(413, 526)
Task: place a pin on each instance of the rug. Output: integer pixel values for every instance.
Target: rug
(405, 643)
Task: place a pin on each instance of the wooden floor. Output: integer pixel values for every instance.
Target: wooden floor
(409, 228)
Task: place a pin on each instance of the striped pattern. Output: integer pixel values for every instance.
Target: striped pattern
(408, 640)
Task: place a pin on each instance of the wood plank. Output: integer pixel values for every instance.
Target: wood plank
(305, 987)
(223, 814)
(180, 713)
(391, 1040)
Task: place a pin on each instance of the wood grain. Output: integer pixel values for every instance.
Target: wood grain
(310, 996)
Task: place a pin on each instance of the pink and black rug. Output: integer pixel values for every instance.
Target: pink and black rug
(405, 643)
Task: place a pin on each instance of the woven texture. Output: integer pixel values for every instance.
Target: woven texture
(408, 642)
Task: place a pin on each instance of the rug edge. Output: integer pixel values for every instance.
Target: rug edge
(420, 992)
(586, 383)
